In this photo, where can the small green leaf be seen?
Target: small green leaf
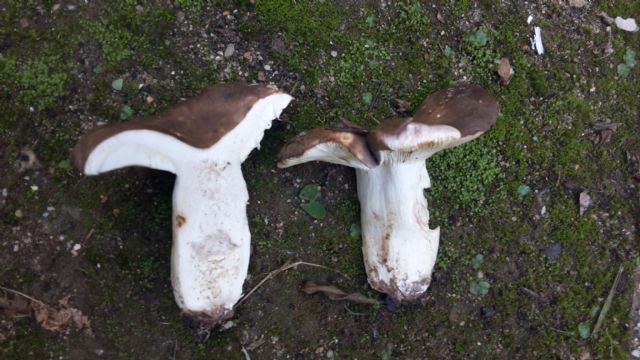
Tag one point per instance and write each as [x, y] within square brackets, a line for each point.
[315, 209]
[117, 84]
[630, 58]
[448, 52]
[584, 328]
[477, 261]
[371, 20]
[386, 355]
[479, 38]
[126, 112]
[355, 232]
[310, 192]
[523, 190]
[624, 70]
[480, 288]
[367, 97]
[64, 165]
[594, 311]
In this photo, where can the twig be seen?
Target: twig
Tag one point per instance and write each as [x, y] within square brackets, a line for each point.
[246, 353]
[89, 234]
[16, 292]
[286, 266]
[351, 312]
[607, 304]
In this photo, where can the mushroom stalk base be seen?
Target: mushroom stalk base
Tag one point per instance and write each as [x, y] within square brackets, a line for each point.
[211, 240]
[399, 247]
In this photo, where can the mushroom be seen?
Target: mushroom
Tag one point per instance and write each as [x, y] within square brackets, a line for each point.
[399, 247]
[203, 141]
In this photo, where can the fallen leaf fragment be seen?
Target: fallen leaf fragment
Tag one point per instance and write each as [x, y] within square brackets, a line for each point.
[402, 105]
[336, 294]
[505, 70]
[585, 202]
[604, 131]
[605, 18]
[626, 24]
[60, 318]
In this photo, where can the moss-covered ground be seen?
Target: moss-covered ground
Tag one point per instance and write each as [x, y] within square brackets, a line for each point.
[511, 196]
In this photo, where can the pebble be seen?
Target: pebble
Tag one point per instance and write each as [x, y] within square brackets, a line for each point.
[636, 353]
[18, 214]
[487, 311]
[267, 67]
[553, 252]
[229, 51]
[34, 188]
[5, 192]
[334, 53]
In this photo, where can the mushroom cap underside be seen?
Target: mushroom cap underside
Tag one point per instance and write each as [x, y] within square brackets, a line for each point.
[345, 147]
[446, 118]
[199, 122]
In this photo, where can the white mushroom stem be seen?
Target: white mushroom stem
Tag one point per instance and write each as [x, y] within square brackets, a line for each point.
[211, 239]
[399, 247]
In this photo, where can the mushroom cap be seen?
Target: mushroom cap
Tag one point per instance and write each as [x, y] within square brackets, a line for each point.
[199, 122]
[345, 144]
[445, 119]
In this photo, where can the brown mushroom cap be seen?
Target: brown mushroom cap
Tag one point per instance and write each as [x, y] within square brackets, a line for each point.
[200, 121]
[446, 118]
[352, 141]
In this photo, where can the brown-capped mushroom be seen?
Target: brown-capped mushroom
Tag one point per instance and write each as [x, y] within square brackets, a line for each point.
[399, 247]
[203, 141]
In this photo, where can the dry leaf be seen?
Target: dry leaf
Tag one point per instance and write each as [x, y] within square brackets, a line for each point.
[604, 131]
[605, 18]
[505, 70]
[334, 293]
[439, 17]
[59, 318]
[402, 105]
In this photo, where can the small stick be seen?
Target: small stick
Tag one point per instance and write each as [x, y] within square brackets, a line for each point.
[16, 292]
[286, 266]
[607, 304]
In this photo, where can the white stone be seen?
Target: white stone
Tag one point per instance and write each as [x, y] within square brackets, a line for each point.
[626, 24]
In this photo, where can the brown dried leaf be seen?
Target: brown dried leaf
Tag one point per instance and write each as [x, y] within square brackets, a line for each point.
[402, 106]
[505, 70]
[60, 318]
[336, 294]
[15, 307]
[604, 131]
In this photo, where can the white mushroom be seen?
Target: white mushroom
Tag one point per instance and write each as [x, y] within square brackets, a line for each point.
[399, 247]
[203, 141]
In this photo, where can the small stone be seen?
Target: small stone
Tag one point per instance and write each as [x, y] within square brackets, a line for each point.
[180, 16]
[76, 248]
[71, 7]
[228, 52]
[18, 214]
[585, 202]
[330, 354]
[578, 3]
[626, 24]
[553, 252]
[267, 67]
[334, 53]
[150, 99]
[487, 311]
[5, 192]
[34, 188]
[636, 353]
